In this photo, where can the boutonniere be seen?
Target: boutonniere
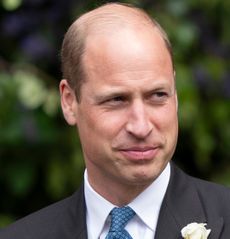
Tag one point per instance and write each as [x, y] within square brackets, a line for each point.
[195, 231]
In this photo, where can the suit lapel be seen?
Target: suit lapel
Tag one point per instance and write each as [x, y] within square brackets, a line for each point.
[216, 226]
[182, 205]
[79, 214]
[167, 226]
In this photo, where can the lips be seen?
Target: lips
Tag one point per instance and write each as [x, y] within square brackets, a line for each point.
[140, 153]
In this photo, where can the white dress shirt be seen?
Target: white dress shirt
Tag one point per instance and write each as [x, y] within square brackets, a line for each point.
[146, 206]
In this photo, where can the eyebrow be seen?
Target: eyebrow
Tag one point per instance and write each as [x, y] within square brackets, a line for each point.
[171, 90]
[107, 95]
[123, 91]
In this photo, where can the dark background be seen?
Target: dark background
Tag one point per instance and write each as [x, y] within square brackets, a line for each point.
[40, 155]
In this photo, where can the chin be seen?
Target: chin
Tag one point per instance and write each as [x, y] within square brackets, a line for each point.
[143, 178]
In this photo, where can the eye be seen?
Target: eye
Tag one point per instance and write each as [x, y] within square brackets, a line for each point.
[161, 94]
[115, 101]
[159, 97]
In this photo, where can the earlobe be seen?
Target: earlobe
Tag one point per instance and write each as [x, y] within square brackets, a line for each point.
[68, 102]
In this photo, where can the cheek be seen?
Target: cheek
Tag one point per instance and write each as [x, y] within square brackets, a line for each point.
[170, 127]
[165, 119]
[104, 125]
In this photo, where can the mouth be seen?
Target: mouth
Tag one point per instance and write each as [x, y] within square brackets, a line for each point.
[137, 154]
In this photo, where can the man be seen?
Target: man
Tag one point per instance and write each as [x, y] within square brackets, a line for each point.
[119, 91]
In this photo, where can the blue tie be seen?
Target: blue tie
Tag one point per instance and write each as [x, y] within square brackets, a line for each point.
[119, 218]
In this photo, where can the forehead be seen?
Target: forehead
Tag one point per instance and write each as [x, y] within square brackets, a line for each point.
[126, 54]
[126, 50]
[125, 64]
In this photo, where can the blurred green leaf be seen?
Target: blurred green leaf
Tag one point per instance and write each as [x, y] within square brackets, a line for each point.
[11, 5]
[5, 220]
[20, 178]
[31, 90]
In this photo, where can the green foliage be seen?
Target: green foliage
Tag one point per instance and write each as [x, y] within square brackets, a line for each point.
[40, 156]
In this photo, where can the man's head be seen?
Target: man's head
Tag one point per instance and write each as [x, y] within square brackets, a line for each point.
[127, 112]
[101, 20]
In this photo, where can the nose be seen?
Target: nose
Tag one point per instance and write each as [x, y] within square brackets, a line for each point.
[139, 124]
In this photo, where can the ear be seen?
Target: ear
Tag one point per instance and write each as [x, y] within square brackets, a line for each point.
[68, 102]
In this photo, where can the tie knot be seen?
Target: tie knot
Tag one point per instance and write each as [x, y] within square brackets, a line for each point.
[120, 217]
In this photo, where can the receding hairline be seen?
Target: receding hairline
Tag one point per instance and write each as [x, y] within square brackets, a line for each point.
[116, 15]
[106, 19]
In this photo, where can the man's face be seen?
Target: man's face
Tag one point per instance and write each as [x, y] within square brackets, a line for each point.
[127, 116]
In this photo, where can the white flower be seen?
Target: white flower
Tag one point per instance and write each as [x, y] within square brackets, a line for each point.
[195, 231]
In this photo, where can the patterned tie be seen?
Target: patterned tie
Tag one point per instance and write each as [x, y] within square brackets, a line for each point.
[120, 217]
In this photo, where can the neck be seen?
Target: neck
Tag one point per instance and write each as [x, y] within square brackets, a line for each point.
[119, 195]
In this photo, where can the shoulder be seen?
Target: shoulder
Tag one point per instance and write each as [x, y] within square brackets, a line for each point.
[53, 221]
[212, 195]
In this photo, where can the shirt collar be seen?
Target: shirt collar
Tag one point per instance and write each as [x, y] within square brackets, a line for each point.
[146, 205]
[98, 209]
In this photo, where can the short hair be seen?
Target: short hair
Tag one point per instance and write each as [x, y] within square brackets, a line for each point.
[99, 19]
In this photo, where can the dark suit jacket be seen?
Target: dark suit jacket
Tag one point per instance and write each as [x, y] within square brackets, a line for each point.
[187, 200]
